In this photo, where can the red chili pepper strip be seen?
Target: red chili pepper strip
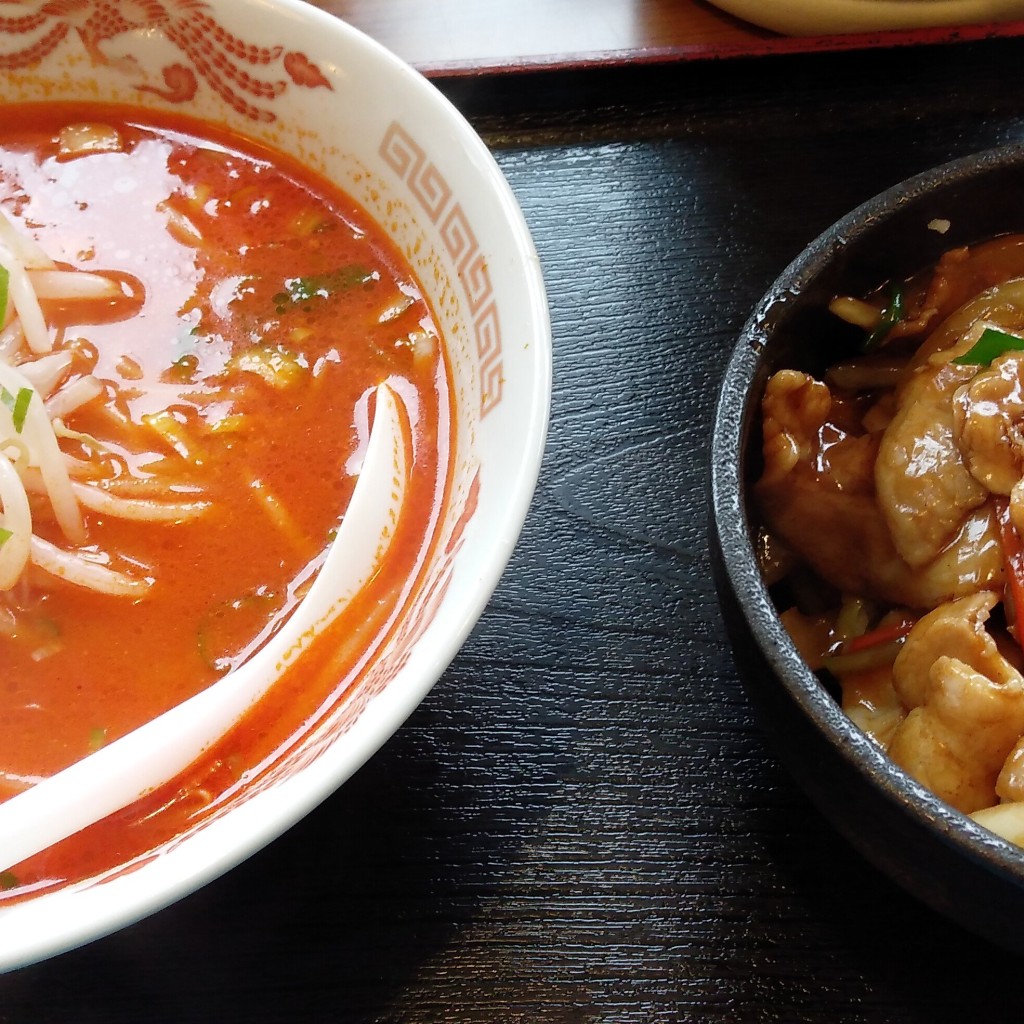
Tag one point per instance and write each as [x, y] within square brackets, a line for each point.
[881, 635]
[1013, 560]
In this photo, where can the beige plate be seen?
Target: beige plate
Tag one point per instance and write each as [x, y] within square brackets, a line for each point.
[821, 17]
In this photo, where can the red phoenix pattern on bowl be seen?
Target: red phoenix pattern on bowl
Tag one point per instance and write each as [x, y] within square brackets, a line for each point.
[212, 53]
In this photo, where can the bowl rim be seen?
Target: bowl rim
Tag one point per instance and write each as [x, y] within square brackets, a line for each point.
[734, 413]
[249, 827]
[822, 17]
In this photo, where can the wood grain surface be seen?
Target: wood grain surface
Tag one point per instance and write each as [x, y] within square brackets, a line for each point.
[581, 823]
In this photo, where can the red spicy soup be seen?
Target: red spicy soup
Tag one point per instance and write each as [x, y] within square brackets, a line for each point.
[209, 410]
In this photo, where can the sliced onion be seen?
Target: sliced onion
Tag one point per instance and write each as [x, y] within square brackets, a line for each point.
[81, 139]
[182, 229]
[866, 374]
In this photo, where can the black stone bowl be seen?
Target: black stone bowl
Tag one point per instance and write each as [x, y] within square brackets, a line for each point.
[927, 847]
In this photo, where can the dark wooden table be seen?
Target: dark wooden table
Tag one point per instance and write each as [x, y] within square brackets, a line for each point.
[581, 823]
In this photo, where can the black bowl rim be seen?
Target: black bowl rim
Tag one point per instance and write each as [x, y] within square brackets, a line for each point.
[731, 425]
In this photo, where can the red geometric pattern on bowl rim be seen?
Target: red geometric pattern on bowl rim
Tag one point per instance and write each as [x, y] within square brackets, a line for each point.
[408, 159]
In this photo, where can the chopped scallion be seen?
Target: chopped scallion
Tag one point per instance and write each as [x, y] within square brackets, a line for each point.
[990, 345]
[5, 536]
[302, 290]
[891, 315]
[18, 404]
[21, 408]
[4, 277]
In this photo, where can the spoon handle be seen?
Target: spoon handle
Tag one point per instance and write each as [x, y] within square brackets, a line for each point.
[140, 761]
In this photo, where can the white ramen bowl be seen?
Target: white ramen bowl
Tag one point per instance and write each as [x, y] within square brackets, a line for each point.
[352, 111]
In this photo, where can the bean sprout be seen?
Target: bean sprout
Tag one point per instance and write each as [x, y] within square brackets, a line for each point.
[28, 251]
[46, 372]
[72, 284]
[37, 390]
[138, 509]
[12, 338]
[37, 433]
[84, 570]
[19, 288]
[73, 396]
[17, 525]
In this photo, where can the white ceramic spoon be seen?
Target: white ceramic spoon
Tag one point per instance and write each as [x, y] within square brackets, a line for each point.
[135, 764]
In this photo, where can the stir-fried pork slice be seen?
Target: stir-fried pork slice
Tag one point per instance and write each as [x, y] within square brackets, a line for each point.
[988, 423]
[925, 489]
[966, 704]
[817, 495]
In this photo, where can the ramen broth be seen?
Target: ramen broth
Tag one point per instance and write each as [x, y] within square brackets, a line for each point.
[256, 311]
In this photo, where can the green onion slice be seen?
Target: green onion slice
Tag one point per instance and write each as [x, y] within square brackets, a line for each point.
[20, 410]
[4, 277]
[891, 315]
[18, 404]
[300, 291]
[990, 345]
[5, 536]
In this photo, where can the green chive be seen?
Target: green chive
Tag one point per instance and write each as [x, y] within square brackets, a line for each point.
[18, 404]
[302, 290]
[891, 315]
[991, 344]
[5, 536]
[20, 410]
[4, 276]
